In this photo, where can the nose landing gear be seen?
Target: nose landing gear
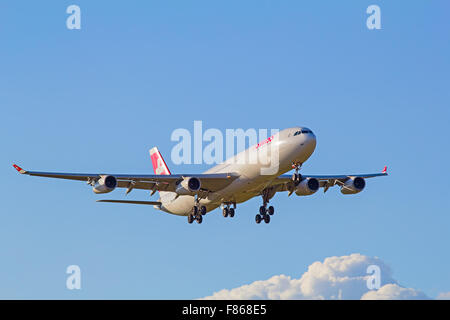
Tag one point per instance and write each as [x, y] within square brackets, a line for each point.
[296, 177]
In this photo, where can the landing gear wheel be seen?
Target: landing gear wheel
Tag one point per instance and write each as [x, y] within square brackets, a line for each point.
[262, 210]
[271, 210]
[199, 219]
[194, 210]
[190, 218]
[225, 212]
[231, 212]
[296, 178]
[202, 210]
[266, 218]
[258, 219]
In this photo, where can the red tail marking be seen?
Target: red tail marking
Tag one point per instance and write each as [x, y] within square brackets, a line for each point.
[159, 165]
[18, 168]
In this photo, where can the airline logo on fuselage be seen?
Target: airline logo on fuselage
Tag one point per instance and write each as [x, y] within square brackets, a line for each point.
[264, 142]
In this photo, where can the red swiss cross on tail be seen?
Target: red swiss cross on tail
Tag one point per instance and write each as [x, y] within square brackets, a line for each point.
[159, 165]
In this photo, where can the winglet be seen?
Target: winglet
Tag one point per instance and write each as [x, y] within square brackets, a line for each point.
[384, 170]
[21, 171]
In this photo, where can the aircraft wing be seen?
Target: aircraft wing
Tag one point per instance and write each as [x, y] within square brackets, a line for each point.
[209, 182]
[285, 183]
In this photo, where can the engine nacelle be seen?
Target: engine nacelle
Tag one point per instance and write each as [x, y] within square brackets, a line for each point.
[307, 187]
[188, 186]
[353, 185]
[105, 184]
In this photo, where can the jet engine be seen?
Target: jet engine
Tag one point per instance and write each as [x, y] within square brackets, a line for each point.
[307, 187]
[188, 186]
[353, 185]
[105, 184]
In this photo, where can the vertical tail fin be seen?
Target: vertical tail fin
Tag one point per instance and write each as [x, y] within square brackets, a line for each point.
[159, 165]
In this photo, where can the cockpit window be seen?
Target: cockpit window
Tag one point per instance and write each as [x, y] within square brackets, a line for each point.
[302, 131]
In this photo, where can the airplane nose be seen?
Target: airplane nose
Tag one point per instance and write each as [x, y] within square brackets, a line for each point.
[310, 143]
[307, 140]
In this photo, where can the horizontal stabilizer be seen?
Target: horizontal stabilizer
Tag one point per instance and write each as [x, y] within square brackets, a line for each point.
[151, 203]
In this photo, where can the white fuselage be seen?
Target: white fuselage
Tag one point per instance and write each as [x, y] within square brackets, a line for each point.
[274, 157]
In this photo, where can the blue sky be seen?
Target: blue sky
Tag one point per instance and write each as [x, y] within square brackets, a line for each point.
[98, 98]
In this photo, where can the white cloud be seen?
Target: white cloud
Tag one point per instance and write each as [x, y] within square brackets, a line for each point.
[394, 292]
[443, 296]
[342, 277]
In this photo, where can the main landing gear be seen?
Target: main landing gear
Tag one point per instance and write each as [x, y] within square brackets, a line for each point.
[197, 213]
[264, 212]
[227, 211]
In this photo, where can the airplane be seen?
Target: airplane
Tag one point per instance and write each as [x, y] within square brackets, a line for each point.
[226, 184]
